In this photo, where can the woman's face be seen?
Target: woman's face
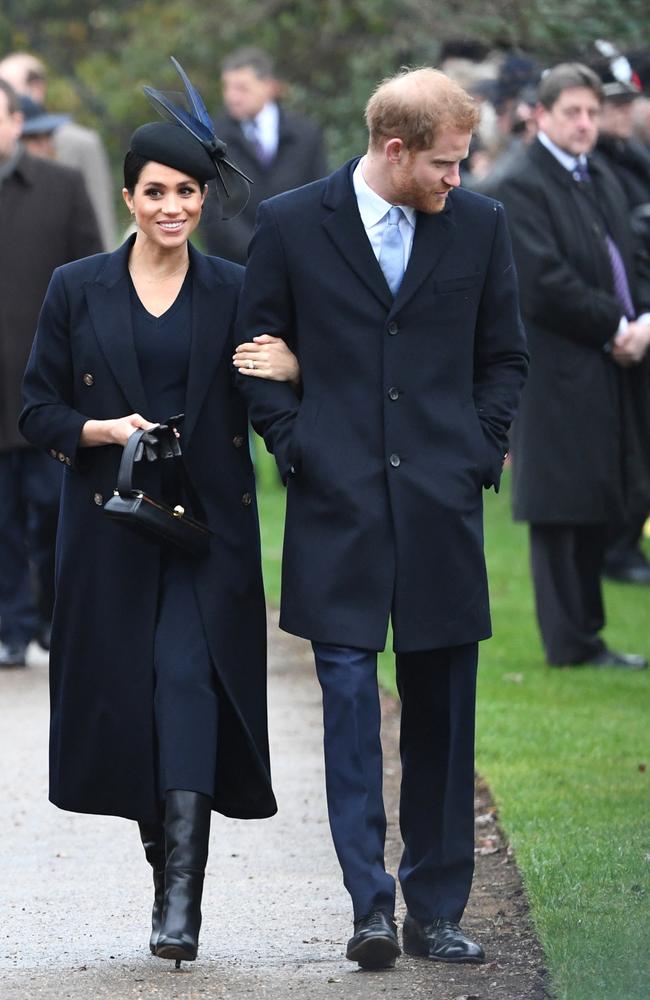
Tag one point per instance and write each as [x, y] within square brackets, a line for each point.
[166, 204]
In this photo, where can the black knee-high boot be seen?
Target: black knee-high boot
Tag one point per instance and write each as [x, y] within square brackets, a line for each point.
[187, 831]
[153, 841]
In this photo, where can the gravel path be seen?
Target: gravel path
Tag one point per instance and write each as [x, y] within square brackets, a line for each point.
[76, 891]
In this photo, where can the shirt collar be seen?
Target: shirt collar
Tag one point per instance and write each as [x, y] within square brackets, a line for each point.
[372, 207]
[268, 117]
[565, 159]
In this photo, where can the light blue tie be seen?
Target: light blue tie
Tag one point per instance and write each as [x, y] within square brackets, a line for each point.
[391, 254]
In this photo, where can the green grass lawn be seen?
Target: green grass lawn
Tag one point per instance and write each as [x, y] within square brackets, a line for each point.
[567, 756]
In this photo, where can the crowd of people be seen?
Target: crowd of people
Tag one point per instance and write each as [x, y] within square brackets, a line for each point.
[374, 338]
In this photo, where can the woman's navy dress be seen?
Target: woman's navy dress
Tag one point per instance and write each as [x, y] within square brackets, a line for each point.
[185, 698]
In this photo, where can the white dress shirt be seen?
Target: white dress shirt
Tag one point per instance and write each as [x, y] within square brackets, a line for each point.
[267, 128]
[374, 210]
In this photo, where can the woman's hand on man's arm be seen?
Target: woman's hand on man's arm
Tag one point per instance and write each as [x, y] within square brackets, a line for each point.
[269, 358]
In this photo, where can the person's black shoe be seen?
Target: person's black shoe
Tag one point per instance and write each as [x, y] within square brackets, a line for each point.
[153, 841]
[620, 661]
[440, 940]
[374, 944]
[633, 569]
[13, 654]
[43, 636]
[187, 832]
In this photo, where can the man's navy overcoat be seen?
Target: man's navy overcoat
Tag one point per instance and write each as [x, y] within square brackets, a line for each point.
[83, 365]
[404, 415]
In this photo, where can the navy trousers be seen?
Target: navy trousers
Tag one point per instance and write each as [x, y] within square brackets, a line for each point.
[186, 703]
[30, 487]
[438, 694]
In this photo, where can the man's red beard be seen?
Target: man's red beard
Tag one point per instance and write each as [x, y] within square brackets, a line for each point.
[407, 191]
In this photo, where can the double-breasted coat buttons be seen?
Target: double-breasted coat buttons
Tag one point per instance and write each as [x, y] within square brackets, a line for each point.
[393, 393]
[99, 499]
[395, 460]
[88, 379]
[238, 440]
[247, 499]
[392, 328]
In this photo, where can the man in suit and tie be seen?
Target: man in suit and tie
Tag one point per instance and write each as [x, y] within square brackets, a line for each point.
[397, 291]
[276, 150]
[580, 444]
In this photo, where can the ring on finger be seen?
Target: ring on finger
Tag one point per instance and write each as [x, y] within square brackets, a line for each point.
[250, 364]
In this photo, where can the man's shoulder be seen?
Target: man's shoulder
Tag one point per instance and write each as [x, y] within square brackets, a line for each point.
[467, 202]
[303, 127]
[40, 170]
[298, 199]
[533, 168]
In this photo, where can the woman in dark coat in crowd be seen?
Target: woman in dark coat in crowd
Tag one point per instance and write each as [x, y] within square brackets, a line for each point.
[158, 661]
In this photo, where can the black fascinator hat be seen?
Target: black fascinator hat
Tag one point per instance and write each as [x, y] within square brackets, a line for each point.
[187, 141]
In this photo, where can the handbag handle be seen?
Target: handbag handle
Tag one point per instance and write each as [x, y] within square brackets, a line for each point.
[125, 474]
[130, 456]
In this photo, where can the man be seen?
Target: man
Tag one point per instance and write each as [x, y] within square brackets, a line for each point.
[398, 294]
[74, 145]
[47, 221]
[276, 150]
[581, 410]
[629, 161]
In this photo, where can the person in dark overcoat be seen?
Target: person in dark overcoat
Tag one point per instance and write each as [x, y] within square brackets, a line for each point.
[276, 149]
[408, 390]
[580, 441]
[48, 221]
[158, 661]
[629, 161]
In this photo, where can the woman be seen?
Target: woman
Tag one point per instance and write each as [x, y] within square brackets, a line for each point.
[158, 662]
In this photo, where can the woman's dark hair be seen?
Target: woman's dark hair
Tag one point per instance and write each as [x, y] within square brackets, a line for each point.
[134, 164]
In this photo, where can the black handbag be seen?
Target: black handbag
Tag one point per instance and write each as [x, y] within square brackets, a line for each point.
[133, 507]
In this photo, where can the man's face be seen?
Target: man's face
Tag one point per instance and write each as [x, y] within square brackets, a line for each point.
[10, 128]
[572, 122]
[423, 179]
[617, 118]
[245, 93]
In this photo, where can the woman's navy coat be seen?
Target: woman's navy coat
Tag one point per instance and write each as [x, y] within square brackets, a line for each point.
[83, 365]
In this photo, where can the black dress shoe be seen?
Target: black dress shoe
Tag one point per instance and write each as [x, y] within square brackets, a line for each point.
[633, 572]
[621, 661]
[12, 654]
[440, 940]
[374, 944]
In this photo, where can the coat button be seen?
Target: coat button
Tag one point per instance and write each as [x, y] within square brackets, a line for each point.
[67, 461]
[52, 453]
[88, 379]
[247, 499]
[392, 328]
[238, 440]
[61, 456]
[394, 460]
[99, 499]
[393, 393]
